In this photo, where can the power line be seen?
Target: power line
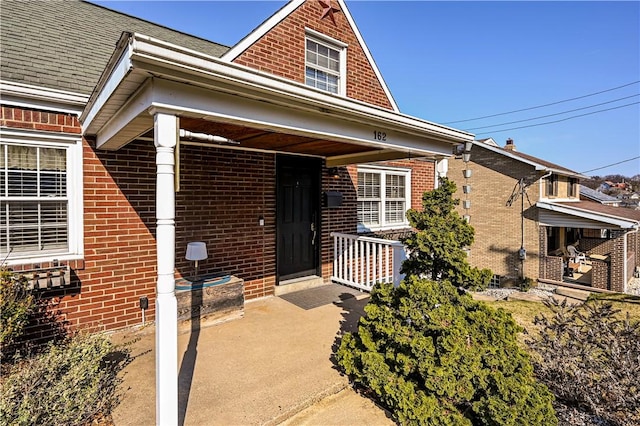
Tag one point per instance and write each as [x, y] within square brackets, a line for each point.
[552, 115]
[558, 121]
[545, 105]
[609, 165]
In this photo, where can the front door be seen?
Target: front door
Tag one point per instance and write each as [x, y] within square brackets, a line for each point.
[297, 211]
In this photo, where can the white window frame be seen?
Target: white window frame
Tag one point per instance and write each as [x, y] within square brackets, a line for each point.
[383, 172]
[72, 143]
[330, 43]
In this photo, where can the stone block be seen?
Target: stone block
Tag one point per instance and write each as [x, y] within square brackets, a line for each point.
[210, 300]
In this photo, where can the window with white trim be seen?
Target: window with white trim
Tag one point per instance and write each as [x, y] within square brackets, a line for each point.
[384, 196]
[37, 201]
[323, 65]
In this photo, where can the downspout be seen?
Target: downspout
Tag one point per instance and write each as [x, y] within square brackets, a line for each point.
[625, 259]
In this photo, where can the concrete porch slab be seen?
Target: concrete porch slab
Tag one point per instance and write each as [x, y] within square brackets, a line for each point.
[264, 368]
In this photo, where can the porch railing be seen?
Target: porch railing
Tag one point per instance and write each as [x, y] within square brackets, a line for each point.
[362, 262]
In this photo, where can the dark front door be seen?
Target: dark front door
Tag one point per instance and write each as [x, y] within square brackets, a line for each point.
[297, 213]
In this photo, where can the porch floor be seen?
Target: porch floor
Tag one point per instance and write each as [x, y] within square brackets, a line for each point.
[273, 365]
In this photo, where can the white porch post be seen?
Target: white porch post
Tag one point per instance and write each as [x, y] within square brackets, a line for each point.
[165, 138]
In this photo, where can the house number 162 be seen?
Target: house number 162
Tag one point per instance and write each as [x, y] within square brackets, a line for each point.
[379, 136]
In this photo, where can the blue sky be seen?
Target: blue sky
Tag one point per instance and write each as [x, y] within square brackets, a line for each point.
[451, 61]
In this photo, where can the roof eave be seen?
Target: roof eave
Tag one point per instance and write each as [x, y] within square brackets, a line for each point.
[138, 54]
[621, 222]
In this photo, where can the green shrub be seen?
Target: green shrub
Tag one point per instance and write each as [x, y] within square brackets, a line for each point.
[436, 249]
[526, 284]
[437, 357]
[71, 383]
[589, 357]
[16, 306]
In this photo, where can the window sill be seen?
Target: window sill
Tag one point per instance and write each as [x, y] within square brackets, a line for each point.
[28, 260]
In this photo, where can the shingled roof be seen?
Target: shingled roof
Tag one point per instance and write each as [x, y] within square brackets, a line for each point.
[65, 45]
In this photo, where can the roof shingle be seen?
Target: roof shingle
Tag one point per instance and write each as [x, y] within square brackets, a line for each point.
[65, 45]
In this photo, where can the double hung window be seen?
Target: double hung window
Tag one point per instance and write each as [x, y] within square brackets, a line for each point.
[324, 65]
[383, 198]
[37, 204]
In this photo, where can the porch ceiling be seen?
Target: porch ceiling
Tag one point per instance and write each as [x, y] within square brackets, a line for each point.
[587, 214]
[258, 110]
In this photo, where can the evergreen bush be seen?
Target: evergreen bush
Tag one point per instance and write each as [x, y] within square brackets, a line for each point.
[435, 356]
[436, 249]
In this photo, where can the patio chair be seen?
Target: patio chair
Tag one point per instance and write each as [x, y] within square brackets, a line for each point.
[576, 256]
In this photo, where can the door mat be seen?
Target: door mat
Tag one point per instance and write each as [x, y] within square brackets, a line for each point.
[319, 296]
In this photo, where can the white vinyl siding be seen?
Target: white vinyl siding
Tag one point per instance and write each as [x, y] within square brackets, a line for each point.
[383, 198]
[37, 201]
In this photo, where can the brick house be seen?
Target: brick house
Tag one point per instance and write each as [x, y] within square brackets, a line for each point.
[122, 141]
[514, 200]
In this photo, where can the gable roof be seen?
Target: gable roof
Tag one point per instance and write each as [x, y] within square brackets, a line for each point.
[65, 45]
[287, 10]
[536, 162]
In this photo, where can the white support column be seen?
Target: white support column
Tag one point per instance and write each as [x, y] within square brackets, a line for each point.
[166, 130]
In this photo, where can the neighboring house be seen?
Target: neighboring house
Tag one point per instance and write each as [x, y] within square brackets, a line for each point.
[597, 196]
[549, 218]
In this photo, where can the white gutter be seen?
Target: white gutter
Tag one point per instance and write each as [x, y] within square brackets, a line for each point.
[620, 222]
[144, 52]
[28, 96]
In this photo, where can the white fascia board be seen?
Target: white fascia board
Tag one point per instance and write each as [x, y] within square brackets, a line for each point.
[367, 53]
[150, 50]
[285, 11]
[591, 215]
[43, 98]
[214, 105]
[146, 55]
[117, 69]
[261, 30]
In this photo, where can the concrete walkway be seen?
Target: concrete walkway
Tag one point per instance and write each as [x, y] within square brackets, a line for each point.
[273, 366]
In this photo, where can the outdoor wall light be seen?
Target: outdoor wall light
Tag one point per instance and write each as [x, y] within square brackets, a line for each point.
[196, 251]
[334, 173]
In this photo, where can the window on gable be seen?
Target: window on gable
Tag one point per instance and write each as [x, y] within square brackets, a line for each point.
[383, 198]
[573, 187]
[551, 186]
[323, 65]
[35, 200]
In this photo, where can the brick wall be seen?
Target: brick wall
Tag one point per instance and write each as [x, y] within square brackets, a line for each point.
[617, 260]
[282, 52]
[24, 118]
[600, 273]
[498, 226]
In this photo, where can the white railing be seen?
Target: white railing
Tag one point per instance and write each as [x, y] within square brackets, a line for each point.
[362, 262]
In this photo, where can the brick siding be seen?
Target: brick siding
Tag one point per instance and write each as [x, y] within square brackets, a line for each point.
[223, 193]
[282, 52]
[498, 226]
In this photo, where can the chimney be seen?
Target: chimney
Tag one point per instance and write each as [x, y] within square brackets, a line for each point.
[510, 145]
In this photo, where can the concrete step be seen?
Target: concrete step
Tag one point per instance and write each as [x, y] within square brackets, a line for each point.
[297, 284]
[573, 293]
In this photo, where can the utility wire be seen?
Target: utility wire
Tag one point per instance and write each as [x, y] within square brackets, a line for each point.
[609, 165]
[552, 115]
[558, 121]
[545, 105]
